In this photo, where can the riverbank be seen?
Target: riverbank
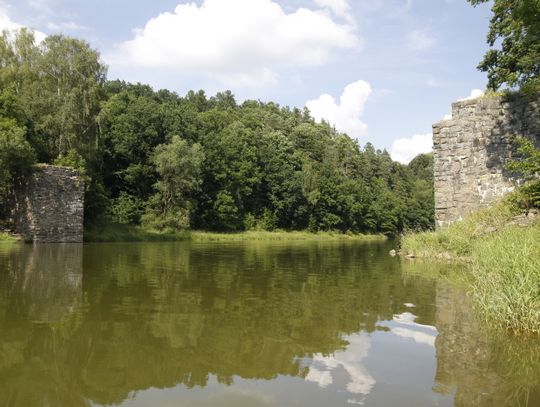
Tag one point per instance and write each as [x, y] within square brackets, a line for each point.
[502, 256]
[200, 236]
[121, 233]
[125, 233]
[6, 238]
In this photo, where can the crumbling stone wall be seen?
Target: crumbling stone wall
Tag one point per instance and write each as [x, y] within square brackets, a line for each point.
[471, 150]
[50, 207]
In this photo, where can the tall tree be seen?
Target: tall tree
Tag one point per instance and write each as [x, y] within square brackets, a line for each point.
[516, 24]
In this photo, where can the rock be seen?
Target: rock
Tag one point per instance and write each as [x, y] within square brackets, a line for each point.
[410, 256]
[393, 253]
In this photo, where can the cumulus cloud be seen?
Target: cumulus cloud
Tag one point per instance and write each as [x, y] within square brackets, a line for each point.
[404, 150]
[6, 23]
[420, 40]
[345, 115]
[243, 42]
[475, 93]
[361, 382]
[340, 8]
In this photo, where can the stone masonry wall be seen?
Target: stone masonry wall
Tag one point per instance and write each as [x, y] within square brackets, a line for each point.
[471, 150]
[50, 208]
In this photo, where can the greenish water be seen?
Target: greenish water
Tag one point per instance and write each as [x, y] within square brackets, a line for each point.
[246, 324]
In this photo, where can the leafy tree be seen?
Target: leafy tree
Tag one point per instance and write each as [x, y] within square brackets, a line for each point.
[16, 159]
[228, 167]
[179, 167]
[516, 24]
[420, 211]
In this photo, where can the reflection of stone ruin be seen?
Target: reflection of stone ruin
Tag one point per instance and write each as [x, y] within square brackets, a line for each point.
[475, 365]
[471, 150]
[47, 281]
[49, 209]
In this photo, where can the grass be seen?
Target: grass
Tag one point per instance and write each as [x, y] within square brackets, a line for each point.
[124, 233]
[6, 238]
[457, 241]
[503, 262]
[506, 271]
[199, 236]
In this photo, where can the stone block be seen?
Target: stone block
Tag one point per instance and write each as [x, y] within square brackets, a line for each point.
[50, 207]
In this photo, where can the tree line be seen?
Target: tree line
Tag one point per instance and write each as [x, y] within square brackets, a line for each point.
[169, 162]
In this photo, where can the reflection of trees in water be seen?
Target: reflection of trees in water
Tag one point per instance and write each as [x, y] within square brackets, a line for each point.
[156, 315]
[482, 368]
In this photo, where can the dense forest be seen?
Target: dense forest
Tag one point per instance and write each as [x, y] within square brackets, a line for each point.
[169, 162]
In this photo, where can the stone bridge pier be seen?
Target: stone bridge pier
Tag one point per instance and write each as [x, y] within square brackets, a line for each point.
[471, 150]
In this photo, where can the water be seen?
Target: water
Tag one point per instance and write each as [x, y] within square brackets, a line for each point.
[246, 324]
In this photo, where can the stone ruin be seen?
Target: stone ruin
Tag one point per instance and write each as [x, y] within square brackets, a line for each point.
[471, 150]
[49, 208]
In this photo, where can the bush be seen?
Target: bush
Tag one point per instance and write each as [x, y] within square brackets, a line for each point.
[16, 159]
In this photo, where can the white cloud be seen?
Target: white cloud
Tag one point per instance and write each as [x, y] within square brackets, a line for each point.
[340, 8]
[361, 382]
[345, 115]
[447, 116]
[404, 150]
[240, 41]
[417, 336]
[420, 40]
[6, 23]
[475, 93]
[67, 25]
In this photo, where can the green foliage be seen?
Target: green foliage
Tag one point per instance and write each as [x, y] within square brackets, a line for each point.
[516, 25]
[56, 84]
[6, 238]
[74, 160]
[504, 263]
[172, 162]
[506, 271]
[527, 167]
[179, 167]
[127, 233]
[126, 209]
[16, 159]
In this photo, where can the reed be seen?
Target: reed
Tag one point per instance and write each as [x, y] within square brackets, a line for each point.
[503, 262]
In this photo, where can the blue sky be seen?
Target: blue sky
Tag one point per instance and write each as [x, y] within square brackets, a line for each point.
[381, 70]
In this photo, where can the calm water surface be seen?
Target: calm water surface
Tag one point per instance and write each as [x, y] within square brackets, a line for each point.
[246, 324]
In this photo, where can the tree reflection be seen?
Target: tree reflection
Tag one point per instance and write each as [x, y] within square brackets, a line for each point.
[99, 323]
[157, 315]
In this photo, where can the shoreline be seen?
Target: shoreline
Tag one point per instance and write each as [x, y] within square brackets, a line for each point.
[138, 234]
[501, 259]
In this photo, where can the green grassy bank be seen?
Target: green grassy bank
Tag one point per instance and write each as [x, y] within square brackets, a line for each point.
[199, 236]
[121, 233]
[125, 233]
[6, 238]
[503, 260]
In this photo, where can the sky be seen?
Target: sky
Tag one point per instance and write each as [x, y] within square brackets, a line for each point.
[382, 71]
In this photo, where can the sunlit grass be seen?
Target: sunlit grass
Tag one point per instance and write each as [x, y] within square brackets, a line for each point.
[6, 238]
[503, 262]
[506, 271]
[200, 236]
[124, 233]
[457, 240]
